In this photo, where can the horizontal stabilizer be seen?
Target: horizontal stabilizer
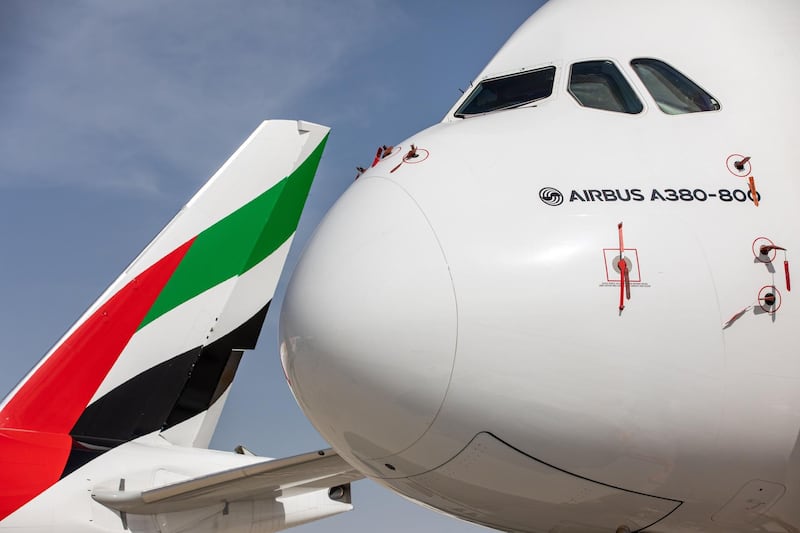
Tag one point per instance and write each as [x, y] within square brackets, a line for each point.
[269, 479]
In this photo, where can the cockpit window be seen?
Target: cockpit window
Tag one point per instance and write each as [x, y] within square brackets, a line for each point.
[600, 85]
[507, 92]
[674, 93]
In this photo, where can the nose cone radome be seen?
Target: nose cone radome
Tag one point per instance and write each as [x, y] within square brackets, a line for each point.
[368, 326]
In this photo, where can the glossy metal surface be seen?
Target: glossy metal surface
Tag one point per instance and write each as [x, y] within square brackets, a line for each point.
[669, 398]
[385, 267]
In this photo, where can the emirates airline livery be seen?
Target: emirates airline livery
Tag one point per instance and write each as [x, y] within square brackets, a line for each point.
[109, 431]
[568, 307]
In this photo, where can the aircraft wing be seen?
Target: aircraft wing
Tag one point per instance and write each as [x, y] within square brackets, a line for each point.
[267, 479]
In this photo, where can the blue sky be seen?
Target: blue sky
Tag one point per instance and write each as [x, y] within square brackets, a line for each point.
[114, 114]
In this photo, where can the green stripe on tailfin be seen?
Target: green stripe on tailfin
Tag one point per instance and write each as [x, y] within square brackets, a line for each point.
[241, 240]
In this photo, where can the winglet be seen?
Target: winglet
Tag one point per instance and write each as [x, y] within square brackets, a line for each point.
[159, 348]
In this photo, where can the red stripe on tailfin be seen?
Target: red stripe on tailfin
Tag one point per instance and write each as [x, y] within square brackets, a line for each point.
[54, 396]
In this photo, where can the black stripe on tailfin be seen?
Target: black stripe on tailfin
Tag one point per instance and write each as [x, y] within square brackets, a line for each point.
[164, 395]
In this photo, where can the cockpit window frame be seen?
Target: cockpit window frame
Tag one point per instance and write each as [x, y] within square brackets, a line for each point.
[687, 89]
[630, 100]
[486, 82]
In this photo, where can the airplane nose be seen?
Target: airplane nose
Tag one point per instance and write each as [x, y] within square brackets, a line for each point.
[368, 324]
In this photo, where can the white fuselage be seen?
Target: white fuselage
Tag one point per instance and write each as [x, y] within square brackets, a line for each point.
[460, 340]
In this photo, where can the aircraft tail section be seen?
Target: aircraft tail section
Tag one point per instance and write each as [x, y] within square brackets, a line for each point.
[158, 350]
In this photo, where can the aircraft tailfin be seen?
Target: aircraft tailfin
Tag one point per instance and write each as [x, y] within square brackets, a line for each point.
[158, 350]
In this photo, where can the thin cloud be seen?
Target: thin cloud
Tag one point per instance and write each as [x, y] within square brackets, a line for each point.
[114, 95]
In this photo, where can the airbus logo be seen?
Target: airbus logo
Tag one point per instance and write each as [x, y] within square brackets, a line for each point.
[551, 196]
